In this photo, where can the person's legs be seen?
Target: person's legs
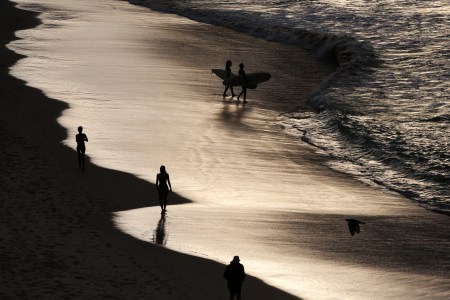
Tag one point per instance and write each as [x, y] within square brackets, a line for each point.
[162, 194]
[235, 289]
[82, 157]
[240, 95]
[231, 295]
[165, 200]
[80, 153]
[161, 198]
[231, 89]
[225, 92]
[79, 157]
[238, 291]
[243, 92]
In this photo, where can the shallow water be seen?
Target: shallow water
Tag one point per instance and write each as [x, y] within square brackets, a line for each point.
[384, 116]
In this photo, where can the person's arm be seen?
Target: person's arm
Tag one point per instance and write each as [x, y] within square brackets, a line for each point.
[168, 181]
[157, 181]
[85, 138]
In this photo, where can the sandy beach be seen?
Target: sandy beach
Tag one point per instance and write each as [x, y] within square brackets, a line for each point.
[142, 88]
[57, 236]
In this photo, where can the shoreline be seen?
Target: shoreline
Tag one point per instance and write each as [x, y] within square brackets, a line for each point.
[354, 54]
[84, 202]
[58, 239]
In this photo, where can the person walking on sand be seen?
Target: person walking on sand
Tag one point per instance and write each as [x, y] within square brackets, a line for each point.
[235, 275]
[163, 186]
[244, 87]
[81, 147]
[228, 69]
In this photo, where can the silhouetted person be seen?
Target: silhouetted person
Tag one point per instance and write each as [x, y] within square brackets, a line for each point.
[353, 226]
[228, 69]
[81, 147]
[244, 86]
[163, 186]
[235, 275]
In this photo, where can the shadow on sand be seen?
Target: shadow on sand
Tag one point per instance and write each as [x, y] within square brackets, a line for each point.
[58, 237]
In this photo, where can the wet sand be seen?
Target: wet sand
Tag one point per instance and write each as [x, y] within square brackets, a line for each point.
[57, 238]
[142, 88]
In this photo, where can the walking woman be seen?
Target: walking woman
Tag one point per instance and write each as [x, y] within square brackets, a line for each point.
[163, 186]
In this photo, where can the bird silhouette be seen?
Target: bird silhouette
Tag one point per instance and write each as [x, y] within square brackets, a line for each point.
[353, 226]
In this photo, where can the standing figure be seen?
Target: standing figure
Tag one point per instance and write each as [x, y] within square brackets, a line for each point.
[163, 186]
[244, 87]
[235, 275]
[81, 147]
[228, 69]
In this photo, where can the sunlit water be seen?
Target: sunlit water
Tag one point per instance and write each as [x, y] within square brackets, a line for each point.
[384, 116]
[250, 195]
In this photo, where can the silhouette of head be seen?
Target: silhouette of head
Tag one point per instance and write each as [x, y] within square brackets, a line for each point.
[228, 64]
[241, 65]
[236, 259]
[162, 169]
[80, 129]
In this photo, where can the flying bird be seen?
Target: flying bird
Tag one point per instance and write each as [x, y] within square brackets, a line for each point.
[353, 225]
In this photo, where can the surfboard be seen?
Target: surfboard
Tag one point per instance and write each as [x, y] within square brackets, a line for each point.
[222, 74]
[251, 80]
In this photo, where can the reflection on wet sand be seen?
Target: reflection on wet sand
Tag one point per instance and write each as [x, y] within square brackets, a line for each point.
[159, 235]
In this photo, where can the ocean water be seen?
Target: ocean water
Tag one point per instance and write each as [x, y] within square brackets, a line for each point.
[384, 115]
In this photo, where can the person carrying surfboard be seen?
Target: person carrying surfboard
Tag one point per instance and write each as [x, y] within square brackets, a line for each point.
[244, 87]
[228, 65]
